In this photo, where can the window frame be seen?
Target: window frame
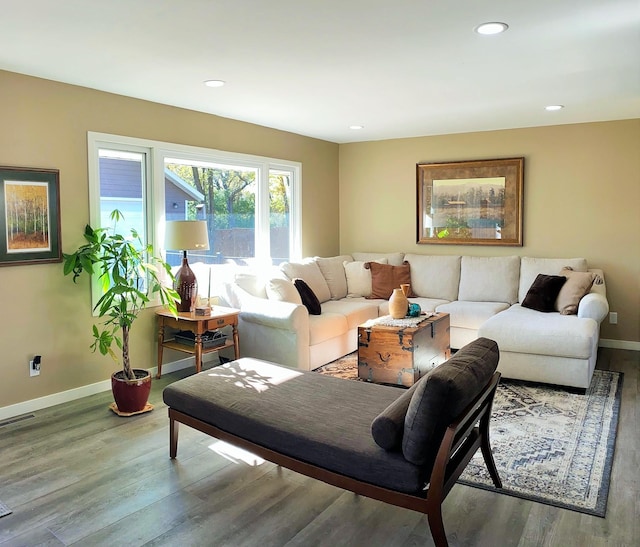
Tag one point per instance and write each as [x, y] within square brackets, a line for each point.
[153, 190]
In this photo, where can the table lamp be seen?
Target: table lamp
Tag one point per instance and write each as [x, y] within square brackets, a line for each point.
[186, 235]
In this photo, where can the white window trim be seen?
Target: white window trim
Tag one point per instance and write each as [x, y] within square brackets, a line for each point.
[157, 151]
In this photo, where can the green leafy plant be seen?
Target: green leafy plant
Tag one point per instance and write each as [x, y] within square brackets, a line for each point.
[128, 274]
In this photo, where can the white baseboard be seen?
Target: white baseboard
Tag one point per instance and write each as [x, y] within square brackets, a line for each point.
[619, 344]
[26, 407]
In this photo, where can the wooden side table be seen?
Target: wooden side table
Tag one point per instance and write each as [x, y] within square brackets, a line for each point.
[198, 325]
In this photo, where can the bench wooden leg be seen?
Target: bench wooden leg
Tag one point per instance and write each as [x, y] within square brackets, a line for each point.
[485, 446]
[437, 526]
[173, 438]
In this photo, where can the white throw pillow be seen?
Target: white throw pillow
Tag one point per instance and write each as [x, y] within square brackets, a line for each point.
[489, 279]
[333, 271]
[309, 271]
[359, 278]
[251, 283]
[283, 290]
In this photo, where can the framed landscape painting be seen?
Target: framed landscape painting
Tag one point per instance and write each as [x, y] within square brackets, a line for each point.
[470, 202]
[29, 216]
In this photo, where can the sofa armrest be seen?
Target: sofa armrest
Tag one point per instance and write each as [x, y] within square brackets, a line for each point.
[271, 330]
[274, 314]
[594, 305]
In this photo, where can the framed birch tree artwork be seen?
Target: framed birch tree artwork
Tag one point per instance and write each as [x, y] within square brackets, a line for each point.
[29, 216]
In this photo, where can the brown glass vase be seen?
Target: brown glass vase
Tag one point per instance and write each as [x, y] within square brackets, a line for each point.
[186, 285]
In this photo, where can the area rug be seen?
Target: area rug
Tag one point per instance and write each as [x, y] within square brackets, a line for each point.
[550, 445]
[4, 510]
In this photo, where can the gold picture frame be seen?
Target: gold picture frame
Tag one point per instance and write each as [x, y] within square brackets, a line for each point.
[476, 202]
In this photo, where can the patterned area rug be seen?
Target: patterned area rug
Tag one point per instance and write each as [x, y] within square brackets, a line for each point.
[4, 510]
[550, 445]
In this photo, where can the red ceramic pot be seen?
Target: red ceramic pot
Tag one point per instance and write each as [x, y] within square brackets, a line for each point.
[131, 395]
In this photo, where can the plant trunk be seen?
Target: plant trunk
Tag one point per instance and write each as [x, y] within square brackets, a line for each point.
[126, 364]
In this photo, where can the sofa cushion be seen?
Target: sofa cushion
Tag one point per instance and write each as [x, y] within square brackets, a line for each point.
[442, 395]
[283, 290]
[489, 279]
[387, 427]
[310, 272]
[578, 284]
[543, 293]
[434, 276]
[355, 311]
[333, 271]
[522, 330]
[395, 259]
[309, 299]
[326, 326]
[531, 267]
[470, 315]
[385, 278]
[359, 278]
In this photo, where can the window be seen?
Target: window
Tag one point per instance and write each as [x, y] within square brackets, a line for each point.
[251, 203]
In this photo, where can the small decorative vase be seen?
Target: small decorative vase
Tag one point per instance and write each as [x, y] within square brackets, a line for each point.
[398, 304]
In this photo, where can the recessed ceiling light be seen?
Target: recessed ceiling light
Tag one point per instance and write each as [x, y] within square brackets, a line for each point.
[356, 127]
[491, 28]
[553, 107]
[214, 83]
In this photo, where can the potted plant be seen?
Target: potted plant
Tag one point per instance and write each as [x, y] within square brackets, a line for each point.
[128, 273]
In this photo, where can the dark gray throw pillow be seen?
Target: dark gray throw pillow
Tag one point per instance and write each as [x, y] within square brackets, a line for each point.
[543, 292]
[442, 395]
[388, 426]
[309, 298]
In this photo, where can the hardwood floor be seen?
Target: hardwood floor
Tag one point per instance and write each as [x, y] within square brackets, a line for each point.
[77, 474]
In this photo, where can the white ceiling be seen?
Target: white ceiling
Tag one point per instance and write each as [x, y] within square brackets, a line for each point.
[400, 68]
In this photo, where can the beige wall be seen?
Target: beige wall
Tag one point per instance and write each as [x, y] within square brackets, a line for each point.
[582, 190]
[45, 124]
[581, 199]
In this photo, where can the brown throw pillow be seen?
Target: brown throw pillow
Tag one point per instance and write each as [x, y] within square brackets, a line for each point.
[543, 292]
[309, 299]
[385, 278]
[578, 284]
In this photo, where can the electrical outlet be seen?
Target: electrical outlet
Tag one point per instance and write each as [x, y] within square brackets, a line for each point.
[34, 366]
[613, 318]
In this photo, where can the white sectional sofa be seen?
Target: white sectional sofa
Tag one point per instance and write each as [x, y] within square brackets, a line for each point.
[483, 296]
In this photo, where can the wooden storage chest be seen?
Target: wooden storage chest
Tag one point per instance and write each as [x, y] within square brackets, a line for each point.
[401, 355]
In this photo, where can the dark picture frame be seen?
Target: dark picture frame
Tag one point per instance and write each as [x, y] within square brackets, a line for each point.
[477, 202]
[29, 216]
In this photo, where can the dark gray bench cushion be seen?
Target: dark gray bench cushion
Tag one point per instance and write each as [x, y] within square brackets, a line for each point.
[315, 418]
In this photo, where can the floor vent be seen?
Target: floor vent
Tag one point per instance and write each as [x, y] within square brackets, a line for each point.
[17, 419]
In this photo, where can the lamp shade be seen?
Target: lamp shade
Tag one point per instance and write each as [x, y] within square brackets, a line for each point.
[186, 235]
